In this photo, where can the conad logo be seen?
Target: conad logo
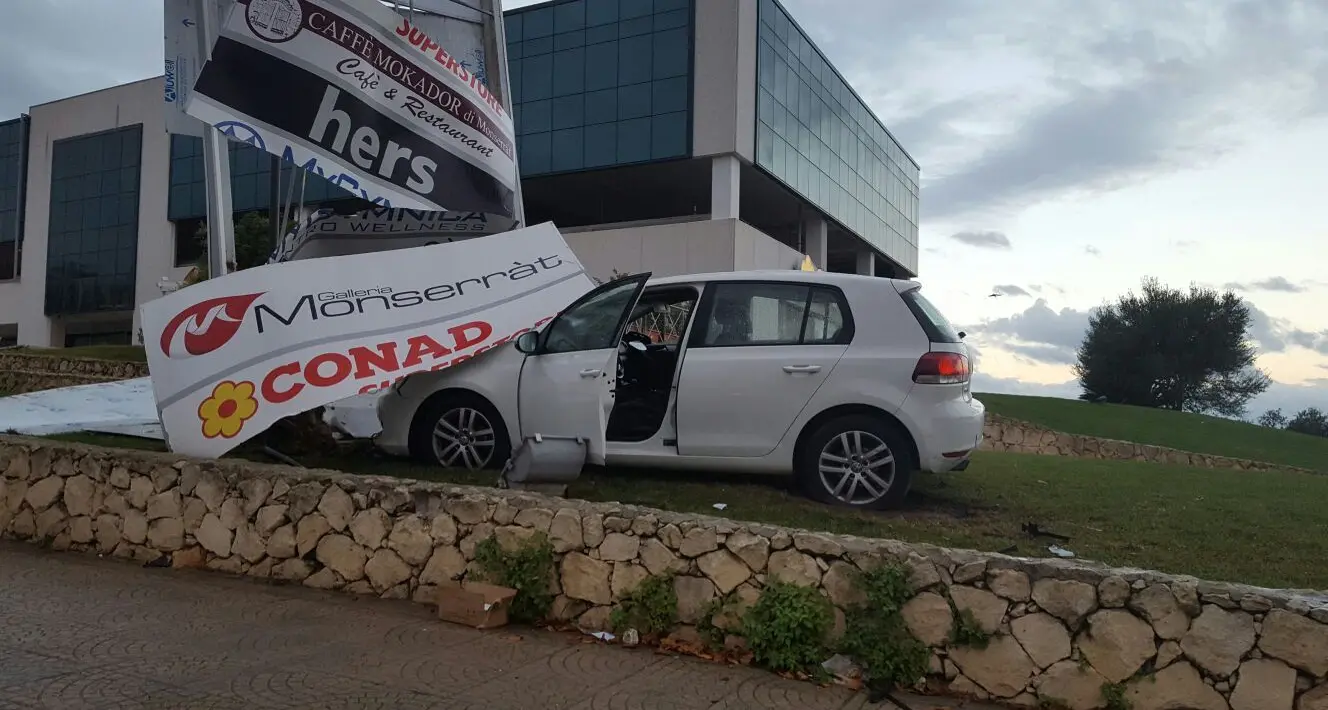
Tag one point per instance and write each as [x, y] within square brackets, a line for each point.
[204, 327]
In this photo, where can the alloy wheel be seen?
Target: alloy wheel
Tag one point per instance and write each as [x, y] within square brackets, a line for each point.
[856, 467]
[464, 438]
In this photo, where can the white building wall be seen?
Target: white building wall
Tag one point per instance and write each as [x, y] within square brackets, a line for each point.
[678, 247]
[117, 107]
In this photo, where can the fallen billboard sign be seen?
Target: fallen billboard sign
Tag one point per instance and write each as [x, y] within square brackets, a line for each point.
[354, 87]
[231, 356]
[328, 233]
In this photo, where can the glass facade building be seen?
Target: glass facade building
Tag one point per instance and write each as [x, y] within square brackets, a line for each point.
[13, 160]
[600, 83]
[817, 136]
[92, 247]
[251, 185]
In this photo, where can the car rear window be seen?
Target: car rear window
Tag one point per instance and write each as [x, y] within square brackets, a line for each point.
[938, 329]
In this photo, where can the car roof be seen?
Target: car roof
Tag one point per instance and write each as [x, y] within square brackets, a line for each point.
[822, 277]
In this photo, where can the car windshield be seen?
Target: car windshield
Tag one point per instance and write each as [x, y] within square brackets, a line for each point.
[930, 318]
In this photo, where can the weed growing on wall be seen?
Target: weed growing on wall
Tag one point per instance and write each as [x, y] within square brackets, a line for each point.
[786, 628]
[651, 608]
[967, 631]
[710, 632]
[1113, 697]
[876, 636]
[526, 569]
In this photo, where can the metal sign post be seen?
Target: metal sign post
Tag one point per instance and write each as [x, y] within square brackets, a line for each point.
[495, 35]
[216, 162]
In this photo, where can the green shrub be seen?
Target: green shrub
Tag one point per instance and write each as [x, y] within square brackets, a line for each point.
[876, 636]
[527, 570]
[787, 627]
[651, 608]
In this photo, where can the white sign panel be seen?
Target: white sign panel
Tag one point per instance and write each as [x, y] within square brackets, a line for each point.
[182, 26]
[326, 233]
[353, 86]
[231, 356]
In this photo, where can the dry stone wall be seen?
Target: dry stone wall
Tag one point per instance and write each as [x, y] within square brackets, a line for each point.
[1006, 434]
[1060, 630]
[21, 373]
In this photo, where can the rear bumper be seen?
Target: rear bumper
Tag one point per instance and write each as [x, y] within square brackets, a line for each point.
[952, 433]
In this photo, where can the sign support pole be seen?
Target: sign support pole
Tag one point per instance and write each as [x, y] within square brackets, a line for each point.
[495, 35]
[216, 163]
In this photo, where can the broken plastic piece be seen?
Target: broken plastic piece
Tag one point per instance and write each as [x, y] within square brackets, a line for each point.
[721, 506]
[1059, 551]
[602, 635]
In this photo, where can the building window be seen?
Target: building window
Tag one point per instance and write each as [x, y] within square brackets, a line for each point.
[251, 186]
[13, 160]
[93, 235]
[82, 340]
[188, 247]
[613, 87]
[816, 135]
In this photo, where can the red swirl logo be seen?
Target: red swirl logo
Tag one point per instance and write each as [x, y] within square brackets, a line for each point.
[204, 327]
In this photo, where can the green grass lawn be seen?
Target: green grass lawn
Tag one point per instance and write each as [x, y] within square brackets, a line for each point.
[119, 353]
[1161, 427]
[1264, 528]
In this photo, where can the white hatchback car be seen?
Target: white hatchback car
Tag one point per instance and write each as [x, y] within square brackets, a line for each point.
[849, 383]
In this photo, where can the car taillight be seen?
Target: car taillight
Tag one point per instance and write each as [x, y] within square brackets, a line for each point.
[941, 369]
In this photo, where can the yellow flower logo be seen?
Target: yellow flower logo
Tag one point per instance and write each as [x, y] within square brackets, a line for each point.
[230, 406]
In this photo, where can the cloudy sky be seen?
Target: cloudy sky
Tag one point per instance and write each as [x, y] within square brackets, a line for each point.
[1068, 149]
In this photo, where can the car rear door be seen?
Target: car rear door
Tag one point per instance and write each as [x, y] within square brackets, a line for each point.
[566, 385]
[757, 353]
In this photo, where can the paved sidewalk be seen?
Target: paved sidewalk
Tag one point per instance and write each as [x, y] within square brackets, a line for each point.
[80, 632]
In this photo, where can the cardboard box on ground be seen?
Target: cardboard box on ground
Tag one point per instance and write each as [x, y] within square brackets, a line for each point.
[475, 604]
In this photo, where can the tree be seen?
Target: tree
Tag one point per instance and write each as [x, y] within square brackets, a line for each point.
[1273, 419]
[253, 244]
[1170, 349]
[1310, 420]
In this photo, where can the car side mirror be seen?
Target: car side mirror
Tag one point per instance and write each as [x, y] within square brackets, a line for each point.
[527, 342]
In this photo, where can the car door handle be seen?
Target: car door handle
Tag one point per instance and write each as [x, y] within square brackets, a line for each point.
[795, 369]
[591, 372]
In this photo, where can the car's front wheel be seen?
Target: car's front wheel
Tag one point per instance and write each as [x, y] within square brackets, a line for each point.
[460, 430]
[857, 461]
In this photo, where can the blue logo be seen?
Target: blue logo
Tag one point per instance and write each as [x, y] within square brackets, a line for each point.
[243, 133]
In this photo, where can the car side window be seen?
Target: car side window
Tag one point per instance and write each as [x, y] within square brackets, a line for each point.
[825, 319]
[591, 324]
[756, 314]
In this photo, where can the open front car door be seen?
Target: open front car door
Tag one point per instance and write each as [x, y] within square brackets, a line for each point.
[568, 377]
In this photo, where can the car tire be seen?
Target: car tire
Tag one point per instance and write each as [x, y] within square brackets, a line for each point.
[462, 428]
[854, 470]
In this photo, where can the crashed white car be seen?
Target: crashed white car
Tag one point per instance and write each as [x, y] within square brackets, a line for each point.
[848, 383]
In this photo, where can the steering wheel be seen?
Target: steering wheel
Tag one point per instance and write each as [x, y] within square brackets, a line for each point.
[632, 336]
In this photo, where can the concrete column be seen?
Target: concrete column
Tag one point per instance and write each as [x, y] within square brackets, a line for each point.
[815, 234]
[866, 263]
[725, 184]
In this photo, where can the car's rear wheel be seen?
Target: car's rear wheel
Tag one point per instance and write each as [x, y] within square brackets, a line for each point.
[460, 430]
[858, 461]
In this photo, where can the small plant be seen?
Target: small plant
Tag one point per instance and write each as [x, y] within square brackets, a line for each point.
[711, 633]
[651, 608]
[876, 635]
[527, 570]
[968, 632]
[786, 628]
[1113, 695]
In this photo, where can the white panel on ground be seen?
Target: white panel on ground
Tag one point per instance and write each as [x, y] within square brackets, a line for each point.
[81, 408]
[128, 408]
